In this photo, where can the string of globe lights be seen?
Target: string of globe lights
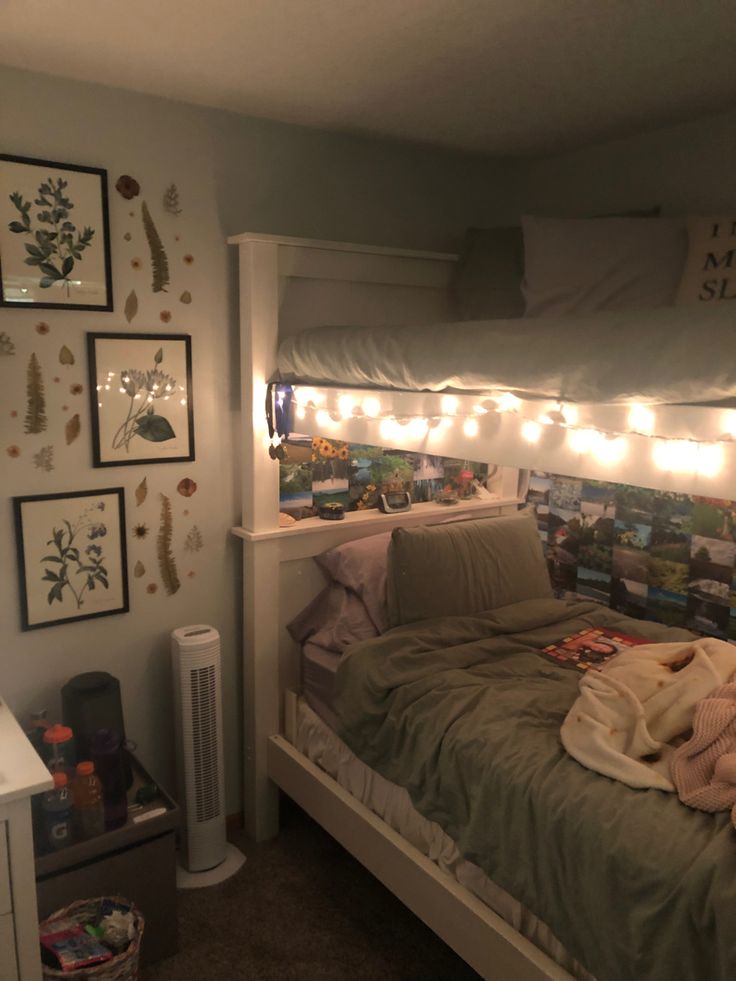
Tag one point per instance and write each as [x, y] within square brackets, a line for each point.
[677, 455]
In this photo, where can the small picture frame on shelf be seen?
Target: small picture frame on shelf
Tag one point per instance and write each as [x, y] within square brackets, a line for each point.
[72, 560]
[54, 235]
[141, 398]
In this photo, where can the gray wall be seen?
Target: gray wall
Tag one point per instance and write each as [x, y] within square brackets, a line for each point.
[233, 175]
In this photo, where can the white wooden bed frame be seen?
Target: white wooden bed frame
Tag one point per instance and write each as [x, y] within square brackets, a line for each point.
[286, 284]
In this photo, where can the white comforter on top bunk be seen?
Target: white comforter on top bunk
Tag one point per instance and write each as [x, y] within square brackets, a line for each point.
[668, 355]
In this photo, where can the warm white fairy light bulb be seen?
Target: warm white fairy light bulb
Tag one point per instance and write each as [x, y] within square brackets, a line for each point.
[300, 412]
[345, 405]
[676, 455]
[710, 459]
[389, 430]
[371, 406]
[531, 431]
[450, 404]
[729, 424]
[609, 449]
[322, 418]
[583, 440]
[470, 427]
[641, 419]
[508, 403]
[417, 427]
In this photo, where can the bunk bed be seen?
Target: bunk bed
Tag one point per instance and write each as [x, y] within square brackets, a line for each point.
[553, 421]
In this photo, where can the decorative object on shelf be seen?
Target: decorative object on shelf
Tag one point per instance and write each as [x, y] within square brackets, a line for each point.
[166, 561]
[159, 260]
[128, 187]
[36, 410]
[54, 235]
[7, 348]
[131, 306]
[65, 356]
[331, 511]
[171, 200]
[71, 556]
[141, 398]
[393, 502]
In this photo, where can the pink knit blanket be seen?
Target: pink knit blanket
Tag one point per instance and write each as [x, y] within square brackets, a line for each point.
[704, 768]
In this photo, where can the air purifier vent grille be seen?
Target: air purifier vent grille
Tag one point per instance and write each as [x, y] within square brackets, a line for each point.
[204, 693]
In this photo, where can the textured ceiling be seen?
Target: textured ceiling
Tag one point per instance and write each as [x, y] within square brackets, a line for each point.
[506, 77]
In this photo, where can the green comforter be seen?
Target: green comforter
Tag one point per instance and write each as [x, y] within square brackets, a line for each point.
[465, 713]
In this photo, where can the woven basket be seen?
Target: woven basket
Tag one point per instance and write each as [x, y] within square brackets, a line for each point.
[122, 967]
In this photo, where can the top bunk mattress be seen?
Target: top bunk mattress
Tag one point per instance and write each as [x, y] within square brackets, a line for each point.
[670, 355]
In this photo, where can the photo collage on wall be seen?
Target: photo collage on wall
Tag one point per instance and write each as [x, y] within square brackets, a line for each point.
[317, 471]
[653, 555]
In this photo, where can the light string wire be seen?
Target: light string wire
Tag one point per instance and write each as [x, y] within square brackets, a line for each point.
[674, 454]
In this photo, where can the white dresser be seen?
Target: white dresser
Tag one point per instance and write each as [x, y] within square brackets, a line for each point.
[21, 774]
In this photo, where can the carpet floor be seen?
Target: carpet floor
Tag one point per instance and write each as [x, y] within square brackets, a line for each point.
[302, 909]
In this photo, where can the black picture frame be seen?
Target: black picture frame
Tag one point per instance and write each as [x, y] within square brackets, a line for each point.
[16, 285]
[94, 537]
[150, 358]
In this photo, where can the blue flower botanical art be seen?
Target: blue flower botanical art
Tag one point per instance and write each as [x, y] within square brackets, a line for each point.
[76, 561]
[55, 243]
[144, 388]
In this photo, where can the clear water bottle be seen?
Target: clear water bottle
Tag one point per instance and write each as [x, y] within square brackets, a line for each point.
[89, 806]
[57, 813]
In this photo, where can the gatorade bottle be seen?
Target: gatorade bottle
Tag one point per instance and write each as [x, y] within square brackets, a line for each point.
[59, 744]
[57, 813]
[89, 807]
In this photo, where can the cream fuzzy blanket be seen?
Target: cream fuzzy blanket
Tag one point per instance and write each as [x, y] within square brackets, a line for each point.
[704, 768]
[628, 714]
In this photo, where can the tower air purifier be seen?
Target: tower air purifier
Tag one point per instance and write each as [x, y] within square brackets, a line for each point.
[205, 857]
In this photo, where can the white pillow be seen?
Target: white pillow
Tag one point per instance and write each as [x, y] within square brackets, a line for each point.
[582, 265]
[710, 269]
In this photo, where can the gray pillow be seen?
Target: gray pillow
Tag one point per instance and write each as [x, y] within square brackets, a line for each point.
[488, 278]
[360, 565]
[464, 568]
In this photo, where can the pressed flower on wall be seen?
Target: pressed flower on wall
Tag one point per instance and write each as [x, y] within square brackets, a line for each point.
[194, 541]
[72, 429]
[13, 451]
[186, 297]
[44, 459]
[7, 348]
[141, 492]
[152, 588]
[186, 487]
[131, 306]
[165, 316]
[76, 388]
[139, 570]
[188, 259]
[128, 187]
[140, 531]
[171, 200]
[65, 356]
[42, 327]
[136, 263]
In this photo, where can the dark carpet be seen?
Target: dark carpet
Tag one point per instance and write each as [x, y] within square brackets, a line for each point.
[302, 909]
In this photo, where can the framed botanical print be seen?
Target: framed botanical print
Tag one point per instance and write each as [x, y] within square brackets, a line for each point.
[71, 556]
[141, 398]
[54, 235]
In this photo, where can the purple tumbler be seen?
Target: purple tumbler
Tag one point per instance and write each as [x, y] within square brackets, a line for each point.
[107, 754]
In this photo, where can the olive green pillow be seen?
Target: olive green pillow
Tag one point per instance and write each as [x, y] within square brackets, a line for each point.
[464, 568]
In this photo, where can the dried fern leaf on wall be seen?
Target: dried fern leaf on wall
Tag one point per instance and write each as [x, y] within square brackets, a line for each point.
[166, 563]
[35, 421]
[159, 261]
